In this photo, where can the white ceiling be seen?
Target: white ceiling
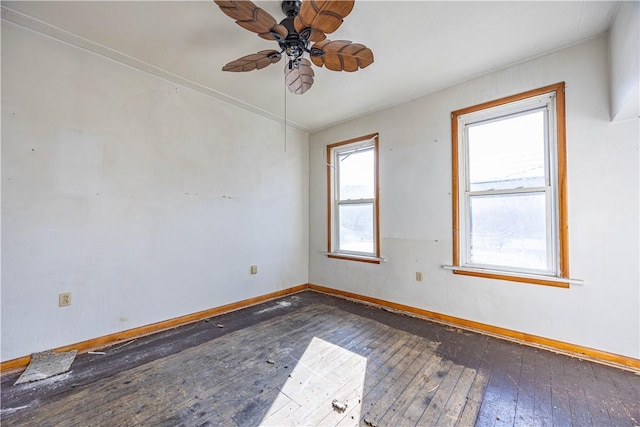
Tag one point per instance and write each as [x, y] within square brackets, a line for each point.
[419, 47]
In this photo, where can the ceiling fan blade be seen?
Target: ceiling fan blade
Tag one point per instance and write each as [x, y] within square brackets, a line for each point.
[342, 55]
[255, 61]
[299, 79]
[322, 16]
[250, 17]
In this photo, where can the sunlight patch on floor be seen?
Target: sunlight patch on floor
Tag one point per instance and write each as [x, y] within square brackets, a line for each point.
[325, 378]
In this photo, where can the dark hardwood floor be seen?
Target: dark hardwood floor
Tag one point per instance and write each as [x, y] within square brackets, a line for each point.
[313, 359]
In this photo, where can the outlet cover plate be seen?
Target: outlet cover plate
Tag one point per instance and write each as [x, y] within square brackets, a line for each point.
[64, 299]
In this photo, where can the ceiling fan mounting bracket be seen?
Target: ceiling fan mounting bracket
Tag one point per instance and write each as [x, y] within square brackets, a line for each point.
[291, 7]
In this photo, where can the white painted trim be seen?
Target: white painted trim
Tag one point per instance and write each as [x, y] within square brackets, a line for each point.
[514, 274]
[347, 150]
[546, 104]
[353, 255]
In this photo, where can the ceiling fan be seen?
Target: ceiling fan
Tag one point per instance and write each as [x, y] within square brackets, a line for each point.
[306, 21]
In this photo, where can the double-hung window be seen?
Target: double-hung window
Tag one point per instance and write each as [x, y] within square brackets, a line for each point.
[352, 176]
[510, 219]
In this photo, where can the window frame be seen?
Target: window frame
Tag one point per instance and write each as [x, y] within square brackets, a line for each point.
[366, 142]
[555, 173]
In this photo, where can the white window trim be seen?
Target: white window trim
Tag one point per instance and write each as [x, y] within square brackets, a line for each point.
[546, 103]
[368, 142]
[559, 280]
[550, 98]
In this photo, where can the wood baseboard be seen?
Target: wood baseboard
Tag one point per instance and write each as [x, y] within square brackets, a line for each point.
[130, 334]
[574, 350]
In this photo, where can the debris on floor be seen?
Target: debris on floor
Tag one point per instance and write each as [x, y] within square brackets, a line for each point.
[277, 305]
[47, 364]
[96, 352]
[338, 406]
[271, 362]
[125, 344]
[7, 411]
[220, 325]
[368, 421]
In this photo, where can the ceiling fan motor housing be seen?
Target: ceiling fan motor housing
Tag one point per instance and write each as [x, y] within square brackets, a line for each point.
[295, 44]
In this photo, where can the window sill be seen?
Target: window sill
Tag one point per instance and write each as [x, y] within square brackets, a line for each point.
[535, 279]
[352, 257]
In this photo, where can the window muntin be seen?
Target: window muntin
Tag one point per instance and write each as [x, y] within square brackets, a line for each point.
[353, 205]
[509, 215]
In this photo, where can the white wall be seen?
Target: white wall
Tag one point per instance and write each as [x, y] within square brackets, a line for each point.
[415, 210]
[625, 62]
[145, 200]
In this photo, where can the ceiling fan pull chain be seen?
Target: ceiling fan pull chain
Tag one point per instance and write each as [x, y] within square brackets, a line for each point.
[284, 91]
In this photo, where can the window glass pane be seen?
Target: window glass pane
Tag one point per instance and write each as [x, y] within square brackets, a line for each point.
[509, 230]
[356, 172]
[356, 227]
[507, 153]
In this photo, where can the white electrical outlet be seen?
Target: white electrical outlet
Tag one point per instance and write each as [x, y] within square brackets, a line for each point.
[254, 269]
[64, 299]
[418, 276]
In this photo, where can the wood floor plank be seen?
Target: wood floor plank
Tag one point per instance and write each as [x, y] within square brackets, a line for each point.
[560, 407]
[140, 385]
[398, 348]
[436, 408]
[224, 368]
[599, 403]
[373, 406]
[603, 397]
[624, 385]
[322, 351]
[498, 353]
[542, 407]
[356, 345]
[392, 386]
[377, 357]
[316, 381]
[580, 415]
[511, 368]
[245, 411]
[283, 362]
[351, 396]
[527, 390]
[415, 391]
[457, 399]
[419, 405]
[470, 358]
[350, 387]
[198, 383]
[476, 392]
[578, 374]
